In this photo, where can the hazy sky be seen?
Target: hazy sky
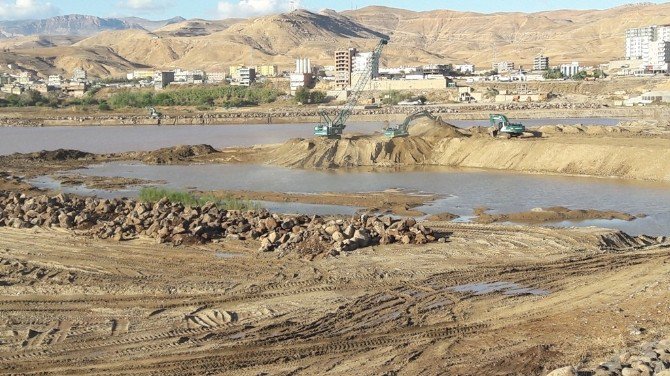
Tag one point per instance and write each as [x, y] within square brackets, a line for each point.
[214, 9]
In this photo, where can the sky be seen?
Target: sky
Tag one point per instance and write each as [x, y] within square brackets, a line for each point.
[218, 9]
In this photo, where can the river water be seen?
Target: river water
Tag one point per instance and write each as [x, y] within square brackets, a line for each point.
[115, 139]
[462, 190]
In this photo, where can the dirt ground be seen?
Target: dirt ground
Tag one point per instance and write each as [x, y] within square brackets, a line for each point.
[398, 202]
[72, 305]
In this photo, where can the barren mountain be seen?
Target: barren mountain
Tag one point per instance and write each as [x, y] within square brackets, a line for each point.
[590, 37]
[77, 25]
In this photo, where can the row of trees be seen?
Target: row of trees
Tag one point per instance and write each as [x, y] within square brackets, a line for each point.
[226, 96]
[305, 96]
[30, 98]
[555, 74]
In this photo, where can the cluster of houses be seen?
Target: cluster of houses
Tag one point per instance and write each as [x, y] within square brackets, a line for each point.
[17, 83]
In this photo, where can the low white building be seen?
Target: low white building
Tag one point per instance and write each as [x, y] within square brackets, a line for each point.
[465, 68]
[189, 76]
[648, 98]
[299, 80]
[503, 66]
[215, 77]
[55, 80]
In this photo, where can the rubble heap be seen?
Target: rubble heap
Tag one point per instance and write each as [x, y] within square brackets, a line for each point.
[122, 219]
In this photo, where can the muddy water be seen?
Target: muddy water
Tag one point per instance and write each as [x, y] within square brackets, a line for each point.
[113, 139]
[463, 190]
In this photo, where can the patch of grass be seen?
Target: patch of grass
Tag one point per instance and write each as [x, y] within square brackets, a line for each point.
[153, 194]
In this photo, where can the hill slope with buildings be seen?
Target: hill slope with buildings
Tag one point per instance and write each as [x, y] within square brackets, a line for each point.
[439, 36]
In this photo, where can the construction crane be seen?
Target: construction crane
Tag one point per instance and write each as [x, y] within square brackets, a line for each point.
[402, 130]
[333, 127]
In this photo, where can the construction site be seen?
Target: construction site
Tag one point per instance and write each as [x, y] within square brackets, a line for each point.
[408, 247]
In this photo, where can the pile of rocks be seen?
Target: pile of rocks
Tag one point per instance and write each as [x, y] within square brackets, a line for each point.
[167, 222]
[650, 359]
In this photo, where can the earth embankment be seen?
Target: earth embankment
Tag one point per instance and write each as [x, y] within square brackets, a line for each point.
[570, 150]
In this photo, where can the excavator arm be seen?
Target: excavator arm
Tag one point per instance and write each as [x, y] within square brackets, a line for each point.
[402, 130]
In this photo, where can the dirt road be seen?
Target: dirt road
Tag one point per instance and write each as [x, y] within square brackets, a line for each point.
[72, 305]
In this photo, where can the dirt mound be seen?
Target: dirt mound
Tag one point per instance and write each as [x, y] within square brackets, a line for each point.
[552, 214]
[352, 152]
[172, 154]
[442, 217]
[54, 155]
[366, 150]
[435, 129]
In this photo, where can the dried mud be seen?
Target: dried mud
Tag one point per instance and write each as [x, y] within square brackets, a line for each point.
[552, 214]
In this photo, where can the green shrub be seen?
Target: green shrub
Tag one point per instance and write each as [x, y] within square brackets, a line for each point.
[207, 96]
[153, 194]
[394, 97]
[104, 106]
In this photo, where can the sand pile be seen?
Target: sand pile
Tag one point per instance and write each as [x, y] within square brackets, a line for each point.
[427, 128]
[352, 152]
[365, 150]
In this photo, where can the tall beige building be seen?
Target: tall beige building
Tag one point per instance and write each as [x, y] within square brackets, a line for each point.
[344, 60]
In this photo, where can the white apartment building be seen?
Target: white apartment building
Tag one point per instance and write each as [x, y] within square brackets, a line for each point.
[244, 76]
[650, 44]
[362, 61]
[569, 70]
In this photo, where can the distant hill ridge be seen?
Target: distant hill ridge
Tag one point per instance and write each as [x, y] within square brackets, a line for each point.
[113, 46]
[78, 25]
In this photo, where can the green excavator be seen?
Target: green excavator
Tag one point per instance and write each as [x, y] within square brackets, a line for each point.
[502, 127]
[402, 130]
[333, 127]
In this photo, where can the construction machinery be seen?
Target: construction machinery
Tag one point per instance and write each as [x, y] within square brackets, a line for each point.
[333, 127]
[402, 130]
[502, 127]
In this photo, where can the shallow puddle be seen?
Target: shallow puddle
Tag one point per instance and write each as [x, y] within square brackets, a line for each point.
[506, 288]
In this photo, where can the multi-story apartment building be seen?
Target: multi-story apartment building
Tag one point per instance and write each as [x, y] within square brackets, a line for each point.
[540, 63]
[344, 60]
[244, 76]
[649, 44]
